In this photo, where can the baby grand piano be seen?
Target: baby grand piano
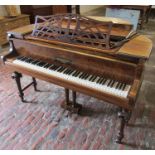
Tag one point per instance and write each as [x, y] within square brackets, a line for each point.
[104, 59]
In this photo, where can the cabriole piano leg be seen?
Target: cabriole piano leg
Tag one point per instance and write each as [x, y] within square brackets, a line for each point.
[16, 76]
[124, 116]
[34, 83]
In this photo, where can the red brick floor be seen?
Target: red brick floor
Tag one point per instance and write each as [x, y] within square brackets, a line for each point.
[42, 124]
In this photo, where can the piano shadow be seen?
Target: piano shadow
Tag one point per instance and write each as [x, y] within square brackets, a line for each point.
[30, 101]
[88, 111]
[39, 90]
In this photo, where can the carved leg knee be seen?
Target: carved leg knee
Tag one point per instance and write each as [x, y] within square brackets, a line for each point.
[124, 116]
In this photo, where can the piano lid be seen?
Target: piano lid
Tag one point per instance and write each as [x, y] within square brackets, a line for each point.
[85, 33]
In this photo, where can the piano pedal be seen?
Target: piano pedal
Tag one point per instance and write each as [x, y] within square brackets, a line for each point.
[17, 76]
[71, 108]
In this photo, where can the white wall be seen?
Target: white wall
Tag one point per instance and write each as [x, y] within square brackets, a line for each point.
[87, 8]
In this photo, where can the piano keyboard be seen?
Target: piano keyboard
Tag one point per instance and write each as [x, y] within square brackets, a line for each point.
[100, 83]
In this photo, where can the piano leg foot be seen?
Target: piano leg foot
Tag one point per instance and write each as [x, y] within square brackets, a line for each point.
[76, 108]
[124, 116]
[71, 106]
[16, 76]
[34, 83]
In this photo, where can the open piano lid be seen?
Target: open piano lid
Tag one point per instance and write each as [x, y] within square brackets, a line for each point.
[83, 32]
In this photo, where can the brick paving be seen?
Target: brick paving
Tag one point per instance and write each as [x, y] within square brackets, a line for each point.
[41, 123]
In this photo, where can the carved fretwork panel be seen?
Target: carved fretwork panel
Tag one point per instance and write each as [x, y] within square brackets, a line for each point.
[74, 29]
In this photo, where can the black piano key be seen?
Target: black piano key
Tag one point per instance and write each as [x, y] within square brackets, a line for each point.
[118, 84]
[72, 70]
[38, 62]
[60, 67]
[62, 70]
[94, 78]
[66, 71]
[97, 78]
[75, 73]
[89, 77]
[41, 63]
[56, 68]
[78, 72]
[123, 87]
[45, 64]
[101, 80]
[52, 67]
[35, 62]
[69, 71]
[82, 75]
[111, 85]
[86, 76]
[48, 65]
[115, 84]
[20, 57]
[24, 58]
[104, 81]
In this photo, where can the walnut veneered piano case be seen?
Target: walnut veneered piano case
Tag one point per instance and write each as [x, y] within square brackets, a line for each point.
[103, 59]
